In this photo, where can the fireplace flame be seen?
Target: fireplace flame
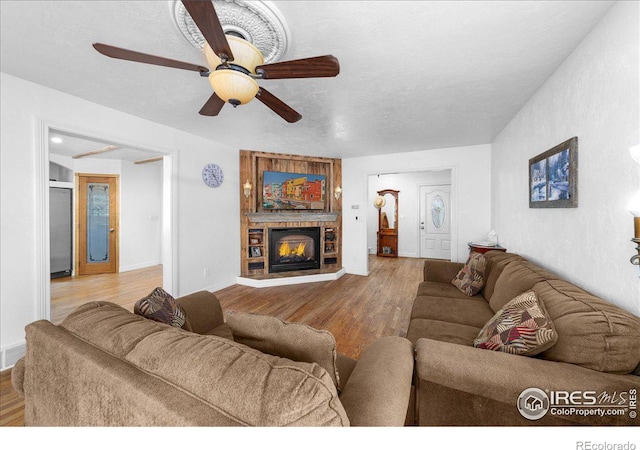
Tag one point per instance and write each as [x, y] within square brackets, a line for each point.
[285, 249]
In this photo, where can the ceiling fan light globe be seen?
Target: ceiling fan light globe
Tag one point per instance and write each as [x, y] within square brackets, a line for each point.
[233, 85]
[245, 54]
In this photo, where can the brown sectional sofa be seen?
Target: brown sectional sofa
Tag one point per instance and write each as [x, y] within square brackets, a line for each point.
[104, 366]
[597, 354]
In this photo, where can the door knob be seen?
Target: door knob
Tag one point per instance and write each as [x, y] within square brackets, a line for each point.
[111, 230]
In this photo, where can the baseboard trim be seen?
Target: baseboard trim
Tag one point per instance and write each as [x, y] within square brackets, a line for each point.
[220, 286]
[11, 355]
[143, 265]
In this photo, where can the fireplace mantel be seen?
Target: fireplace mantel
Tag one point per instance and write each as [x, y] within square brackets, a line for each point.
[292, 217]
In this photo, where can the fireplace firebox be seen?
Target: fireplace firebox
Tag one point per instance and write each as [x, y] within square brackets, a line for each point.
[294, 249]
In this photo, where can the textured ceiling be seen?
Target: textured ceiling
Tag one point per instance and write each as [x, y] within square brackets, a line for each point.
[72, 145]
[414, 75]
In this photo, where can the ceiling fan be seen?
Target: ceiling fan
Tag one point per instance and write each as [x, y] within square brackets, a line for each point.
[235, 65]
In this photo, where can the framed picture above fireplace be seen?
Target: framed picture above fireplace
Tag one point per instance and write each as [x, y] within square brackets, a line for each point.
[286, 190]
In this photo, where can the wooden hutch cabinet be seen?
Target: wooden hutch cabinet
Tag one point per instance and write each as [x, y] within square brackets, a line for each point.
[387, 204]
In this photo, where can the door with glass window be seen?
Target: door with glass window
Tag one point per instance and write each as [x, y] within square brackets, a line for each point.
[97, 223]
[435, 222]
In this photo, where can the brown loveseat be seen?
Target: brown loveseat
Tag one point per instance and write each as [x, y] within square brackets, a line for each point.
[588, 376]
[104, 366]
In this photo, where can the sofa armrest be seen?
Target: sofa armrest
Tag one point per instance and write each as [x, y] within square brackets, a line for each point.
[203, 311]
[17, 377]
[502, 377]
[441, 271]
[379, 388]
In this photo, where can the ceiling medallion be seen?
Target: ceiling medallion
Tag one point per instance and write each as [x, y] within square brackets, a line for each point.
[259, 22]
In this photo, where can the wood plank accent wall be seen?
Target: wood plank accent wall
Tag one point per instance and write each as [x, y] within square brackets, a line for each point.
[253, 164]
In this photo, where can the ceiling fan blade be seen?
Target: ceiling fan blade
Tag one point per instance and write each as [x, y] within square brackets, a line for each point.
[130, 55]
[204, 15]
[319, 66]
[278, 106]
[213, 106]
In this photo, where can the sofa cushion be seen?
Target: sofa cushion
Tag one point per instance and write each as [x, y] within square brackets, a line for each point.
[295, 341]
[160, 306]
[516, 278]
[521, 327]
[591, 332]
[464, 312]
[345, 366]
[243, 384]
[441, 331]
[437, 289]
[496, 262]
[440, 270]
[222, 330]
[251, 387]
[116, 329]
[471, 278]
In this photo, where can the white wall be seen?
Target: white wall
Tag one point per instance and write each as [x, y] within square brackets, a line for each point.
[593, 95]
[140, 215]
[471, 196]
[409, 206]
[207, 219]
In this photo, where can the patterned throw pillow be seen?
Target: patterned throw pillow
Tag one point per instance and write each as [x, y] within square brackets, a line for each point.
[161, 307]
[521, 327]
[471, 277]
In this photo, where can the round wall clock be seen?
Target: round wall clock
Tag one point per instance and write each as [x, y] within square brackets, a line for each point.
[212, 175]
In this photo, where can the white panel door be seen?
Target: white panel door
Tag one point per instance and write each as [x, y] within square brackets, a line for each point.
[435, 222]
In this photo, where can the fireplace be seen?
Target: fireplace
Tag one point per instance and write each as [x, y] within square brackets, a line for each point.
[294, 249]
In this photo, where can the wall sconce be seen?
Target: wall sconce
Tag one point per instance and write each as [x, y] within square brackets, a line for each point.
[635, 153]
[634, 209]
[247, 189]
[337, 192]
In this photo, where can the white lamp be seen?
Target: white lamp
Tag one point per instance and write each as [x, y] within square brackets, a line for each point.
[635, 153]
[233, 87]
[245, 54]
[337, 192]
[231, 81]
[247, 189]
[634, 209]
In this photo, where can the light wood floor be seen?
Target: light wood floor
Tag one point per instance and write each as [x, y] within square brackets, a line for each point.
[355, 309]
[122, 288]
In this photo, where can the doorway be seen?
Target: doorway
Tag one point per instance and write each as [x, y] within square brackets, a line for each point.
[410, 213]
[435, 222]
[97, 224]
[165, 219]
